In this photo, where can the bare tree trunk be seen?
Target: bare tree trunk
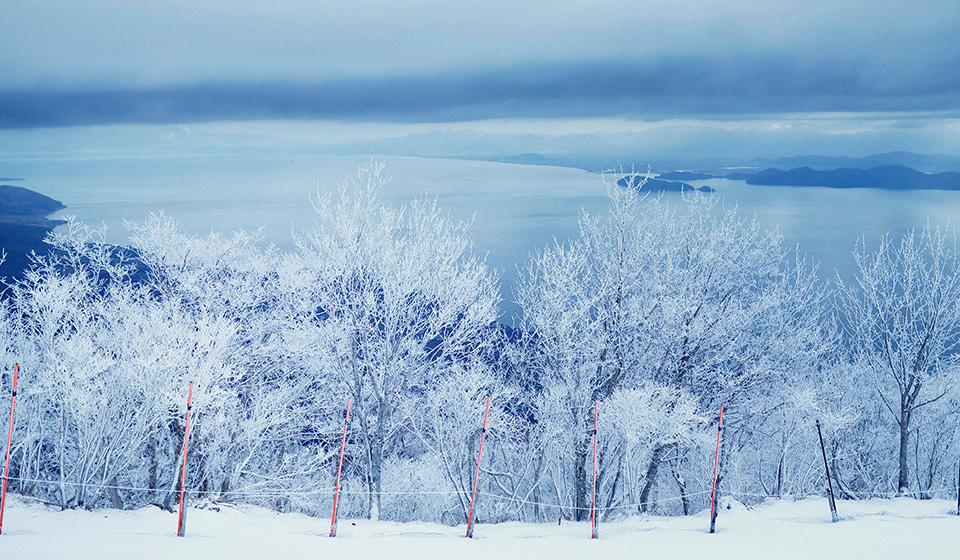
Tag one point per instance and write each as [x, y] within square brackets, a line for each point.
[173, 496]
[374, 481]
[63, 453]
[780, 466]
[903, 481]
[152, 468]
[651, 478]
[114, 495]
[583, 498]
[682, 485]
[613, 489]
[537, 515]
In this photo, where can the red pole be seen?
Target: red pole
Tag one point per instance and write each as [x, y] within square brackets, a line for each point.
[181, 520]
[6, 468]
[336, 492]
[716, 463]
[476, 477]
[593, 507]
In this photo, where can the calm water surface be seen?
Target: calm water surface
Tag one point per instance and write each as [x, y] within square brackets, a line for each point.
[515, 208]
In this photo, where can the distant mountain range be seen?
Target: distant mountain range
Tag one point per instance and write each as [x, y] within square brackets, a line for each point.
[926, 163]
[891, 177]
[698, 170]
[705, 150]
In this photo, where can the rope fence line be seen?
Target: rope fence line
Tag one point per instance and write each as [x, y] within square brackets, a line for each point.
[241, 493]
[301, 493]
[598, 508]
[860, 495]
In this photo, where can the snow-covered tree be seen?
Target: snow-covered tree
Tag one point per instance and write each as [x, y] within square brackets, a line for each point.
[387, 302]
[660, 310]
[690, 299]
[902, 314]
[89, 413]
[111, 336]
[258, 418]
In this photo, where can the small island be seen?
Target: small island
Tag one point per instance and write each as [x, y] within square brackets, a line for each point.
[23, 226]
[658, 185]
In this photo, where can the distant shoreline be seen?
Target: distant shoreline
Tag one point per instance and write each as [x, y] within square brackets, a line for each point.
[23, 226]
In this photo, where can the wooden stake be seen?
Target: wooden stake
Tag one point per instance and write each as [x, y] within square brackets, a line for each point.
[716, 464]
[6, 468]
[826, 469]
[476, 477]
[336, 492]
[593, 506]
[182, 517]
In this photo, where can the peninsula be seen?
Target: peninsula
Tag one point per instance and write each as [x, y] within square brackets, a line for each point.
[23, 226]
[890, 177]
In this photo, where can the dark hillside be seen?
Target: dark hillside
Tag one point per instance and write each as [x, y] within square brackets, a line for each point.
[892, 177]
[18, 201]
[23, 225]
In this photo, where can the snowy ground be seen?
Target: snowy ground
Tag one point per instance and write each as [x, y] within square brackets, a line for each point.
[899, 528]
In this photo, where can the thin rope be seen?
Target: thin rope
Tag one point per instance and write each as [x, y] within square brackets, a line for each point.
[238, 492]
[602, 508]
[280, 493]
[861, 494]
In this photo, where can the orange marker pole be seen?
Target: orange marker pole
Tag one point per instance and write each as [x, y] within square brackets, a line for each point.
[336, 492]
[181, 518]
[593, 507]
[476, 477]
[716, 463]
[6, 468]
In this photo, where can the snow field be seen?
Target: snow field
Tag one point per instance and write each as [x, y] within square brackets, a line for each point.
[782, 529]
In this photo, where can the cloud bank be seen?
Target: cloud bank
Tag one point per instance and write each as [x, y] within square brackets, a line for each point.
[639, 89]
[67, 63]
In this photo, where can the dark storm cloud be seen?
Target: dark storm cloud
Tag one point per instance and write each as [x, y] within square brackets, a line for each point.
[691, 85]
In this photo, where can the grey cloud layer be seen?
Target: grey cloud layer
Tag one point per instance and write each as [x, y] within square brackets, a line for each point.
[75, 63]
[674, 85]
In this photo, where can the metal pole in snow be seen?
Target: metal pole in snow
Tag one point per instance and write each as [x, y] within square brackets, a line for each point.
[476, 477]
[336, 492]
[716, 463]
[826, 468]
[6, 468]
[181, 518]
[593, 506]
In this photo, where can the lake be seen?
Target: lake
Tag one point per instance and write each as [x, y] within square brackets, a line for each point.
[515, 208]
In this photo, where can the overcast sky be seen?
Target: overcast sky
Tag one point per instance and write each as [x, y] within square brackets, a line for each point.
[411, 62]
